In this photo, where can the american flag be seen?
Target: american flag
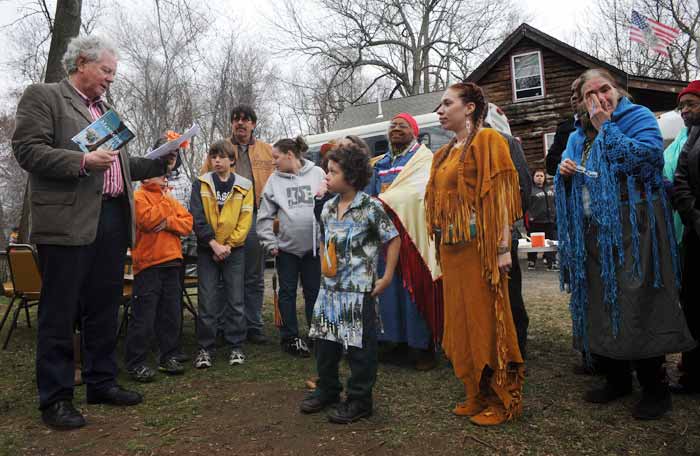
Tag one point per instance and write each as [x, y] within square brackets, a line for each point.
[655, 35]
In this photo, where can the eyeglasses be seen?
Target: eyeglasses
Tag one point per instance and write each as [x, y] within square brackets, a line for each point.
[687, 104]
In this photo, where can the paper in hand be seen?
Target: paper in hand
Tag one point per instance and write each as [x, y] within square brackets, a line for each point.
[172, 146]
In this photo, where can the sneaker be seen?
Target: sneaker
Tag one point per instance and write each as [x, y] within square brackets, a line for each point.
[237, 357]
[172, 366]
[531, 265]
[181, 357]
[349, 412]
[296, 347]
[142, 374]
[553, 266]
[203, 359]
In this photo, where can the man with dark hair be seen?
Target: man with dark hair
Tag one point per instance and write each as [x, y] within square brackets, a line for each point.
[561, 136]
[254, 162]
[686, 200]
[82, 210]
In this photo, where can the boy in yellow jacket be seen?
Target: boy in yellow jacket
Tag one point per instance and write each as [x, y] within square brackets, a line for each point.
[222, 206]
[157, 259]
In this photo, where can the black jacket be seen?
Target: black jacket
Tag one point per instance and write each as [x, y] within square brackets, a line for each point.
[542, 209]
[686, 183]
[561, 137]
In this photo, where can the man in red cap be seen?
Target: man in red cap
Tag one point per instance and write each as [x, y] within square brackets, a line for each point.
[686, 200]
[404, 328]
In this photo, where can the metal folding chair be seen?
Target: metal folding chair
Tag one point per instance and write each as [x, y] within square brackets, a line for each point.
[26, 284]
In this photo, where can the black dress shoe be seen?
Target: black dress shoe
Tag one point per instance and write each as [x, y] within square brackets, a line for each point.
[115, 395]
[62, 416]
[314, 403]
[349, 412]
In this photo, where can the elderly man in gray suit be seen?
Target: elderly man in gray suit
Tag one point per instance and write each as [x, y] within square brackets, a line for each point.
[82, 215]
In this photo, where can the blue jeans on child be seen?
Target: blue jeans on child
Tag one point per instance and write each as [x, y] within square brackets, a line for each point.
[230, 271]
[289, 269]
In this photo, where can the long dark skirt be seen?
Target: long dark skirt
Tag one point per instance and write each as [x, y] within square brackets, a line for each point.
[651, 320]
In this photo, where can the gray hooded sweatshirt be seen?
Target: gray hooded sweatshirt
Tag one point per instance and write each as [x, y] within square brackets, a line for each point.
[290, 197]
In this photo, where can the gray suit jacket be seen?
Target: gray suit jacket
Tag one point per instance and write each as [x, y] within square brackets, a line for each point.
[65, 206]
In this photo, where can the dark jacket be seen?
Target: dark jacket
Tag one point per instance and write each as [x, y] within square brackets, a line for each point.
[541, 208]
[65, 206]
[561, 137]
[518, 157]
[686, 183]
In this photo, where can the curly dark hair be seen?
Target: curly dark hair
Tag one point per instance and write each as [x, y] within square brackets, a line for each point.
[354, 162]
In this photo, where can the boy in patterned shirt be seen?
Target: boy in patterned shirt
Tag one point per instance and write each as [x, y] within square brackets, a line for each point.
[355, 228]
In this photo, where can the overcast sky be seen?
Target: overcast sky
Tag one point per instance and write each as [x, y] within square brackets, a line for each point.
[555, 17]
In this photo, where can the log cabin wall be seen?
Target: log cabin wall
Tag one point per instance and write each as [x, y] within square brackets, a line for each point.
[530, 120]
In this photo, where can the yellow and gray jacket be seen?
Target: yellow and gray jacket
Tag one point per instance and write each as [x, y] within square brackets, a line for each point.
[228, 225]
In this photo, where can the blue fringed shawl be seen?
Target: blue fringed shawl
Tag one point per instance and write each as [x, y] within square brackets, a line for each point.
[627, 154]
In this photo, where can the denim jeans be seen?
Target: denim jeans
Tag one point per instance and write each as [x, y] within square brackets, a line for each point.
[155, 309]
[230, 271]
[254, 281]
[289, 269]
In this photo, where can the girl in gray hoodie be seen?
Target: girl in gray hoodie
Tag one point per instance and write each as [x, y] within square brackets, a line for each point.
[289, 198]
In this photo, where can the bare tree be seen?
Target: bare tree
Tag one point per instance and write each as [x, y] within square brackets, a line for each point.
[607, 37]
[65, 27]
[416, 45]
[12, 180]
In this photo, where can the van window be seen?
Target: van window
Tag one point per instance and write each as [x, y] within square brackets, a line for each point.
[435, 137]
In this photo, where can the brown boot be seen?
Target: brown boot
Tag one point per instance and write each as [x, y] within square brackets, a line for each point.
[470, 407]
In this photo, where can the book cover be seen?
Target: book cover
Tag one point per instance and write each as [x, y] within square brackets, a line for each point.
[109, 131]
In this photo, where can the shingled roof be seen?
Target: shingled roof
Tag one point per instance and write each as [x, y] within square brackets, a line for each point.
[354, 116]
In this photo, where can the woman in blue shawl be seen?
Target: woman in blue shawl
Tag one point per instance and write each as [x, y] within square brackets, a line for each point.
[617, 249]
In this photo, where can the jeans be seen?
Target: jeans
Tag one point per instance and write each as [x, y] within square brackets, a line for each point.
[81, 283]
[254, 281]
[231, 307]
[363, 362]
[155, 309]
[289, 269]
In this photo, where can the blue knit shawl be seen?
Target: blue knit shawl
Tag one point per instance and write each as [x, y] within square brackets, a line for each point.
[627, 154]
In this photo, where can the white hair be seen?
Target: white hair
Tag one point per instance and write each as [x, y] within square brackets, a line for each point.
[89, 47]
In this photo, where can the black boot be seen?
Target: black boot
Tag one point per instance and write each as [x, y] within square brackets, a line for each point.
[63, 416]
[654, 404]
[608, 393]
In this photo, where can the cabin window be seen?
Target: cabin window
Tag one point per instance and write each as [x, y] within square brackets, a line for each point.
[548, 141]
[527, 76]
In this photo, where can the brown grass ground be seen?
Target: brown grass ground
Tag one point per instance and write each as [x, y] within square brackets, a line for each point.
[252, 409]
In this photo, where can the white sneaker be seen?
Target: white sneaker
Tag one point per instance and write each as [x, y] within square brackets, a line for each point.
[237, 357]
[203, 359]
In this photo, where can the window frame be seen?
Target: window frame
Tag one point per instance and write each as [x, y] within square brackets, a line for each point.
[517, 99]
[544, 141]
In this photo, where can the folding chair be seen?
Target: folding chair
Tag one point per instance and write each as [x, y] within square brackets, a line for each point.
[127, 294]
[26, 284]
[189, 283]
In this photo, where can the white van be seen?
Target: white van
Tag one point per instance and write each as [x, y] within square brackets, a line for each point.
[431, 133]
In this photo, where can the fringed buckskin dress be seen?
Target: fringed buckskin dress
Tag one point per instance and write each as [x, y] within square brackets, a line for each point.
[473, 192]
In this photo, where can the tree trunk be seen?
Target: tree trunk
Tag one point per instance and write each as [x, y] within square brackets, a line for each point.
[66, 25]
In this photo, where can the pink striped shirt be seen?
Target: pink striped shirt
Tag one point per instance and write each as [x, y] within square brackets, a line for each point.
[113, 184]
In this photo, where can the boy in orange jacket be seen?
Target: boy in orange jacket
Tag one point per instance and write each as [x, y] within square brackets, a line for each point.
[157, 259]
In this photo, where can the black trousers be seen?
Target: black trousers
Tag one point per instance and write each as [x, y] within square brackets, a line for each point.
[155, 310]
[690, 300]
[363, 362]
[517, 305]
[85, 283]
[650, 372]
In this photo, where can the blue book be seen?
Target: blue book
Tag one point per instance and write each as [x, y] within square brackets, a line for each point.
[108, 132]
